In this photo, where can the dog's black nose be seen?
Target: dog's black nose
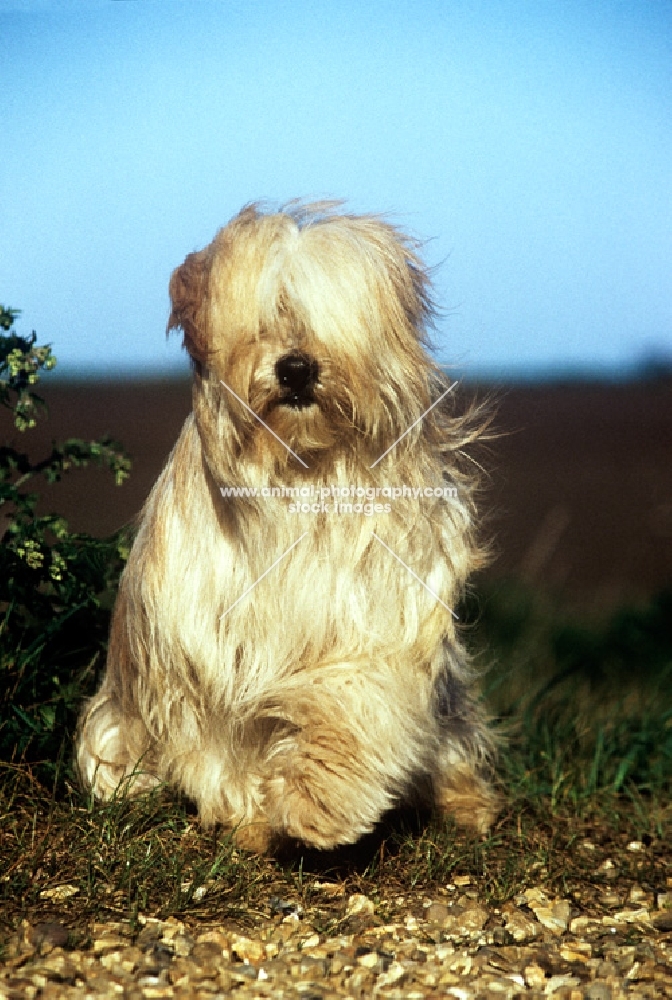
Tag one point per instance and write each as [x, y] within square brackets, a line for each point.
[295, 371]
[297, 374]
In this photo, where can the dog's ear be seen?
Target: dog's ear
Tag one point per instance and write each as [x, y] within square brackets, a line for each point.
[189, 303]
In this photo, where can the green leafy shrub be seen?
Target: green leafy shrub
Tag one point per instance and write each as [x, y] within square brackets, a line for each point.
[56, 587]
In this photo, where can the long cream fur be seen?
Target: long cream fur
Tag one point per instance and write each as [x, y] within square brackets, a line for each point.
[305, 702]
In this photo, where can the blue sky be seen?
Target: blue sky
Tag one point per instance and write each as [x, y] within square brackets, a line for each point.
[529, 142]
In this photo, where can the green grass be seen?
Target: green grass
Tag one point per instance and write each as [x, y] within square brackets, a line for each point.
[586, 707]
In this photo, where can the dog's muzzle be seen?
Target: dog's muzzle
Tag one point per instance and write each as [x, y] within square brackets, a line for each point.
[297, 374]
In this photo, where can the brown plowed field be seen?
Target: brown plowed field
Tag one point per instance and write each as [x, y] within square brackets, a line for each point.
[580, 497]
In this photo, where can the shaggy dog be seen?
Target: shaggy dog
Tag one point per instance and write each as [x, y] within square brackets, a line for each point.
[289, 659]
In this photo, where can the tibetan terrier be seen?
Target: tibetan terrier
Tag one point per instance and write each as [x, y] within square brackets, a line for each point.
[284, 647]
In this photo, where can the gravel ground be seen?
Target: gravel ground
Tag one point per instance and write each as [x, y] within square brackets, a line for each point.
[452, 945]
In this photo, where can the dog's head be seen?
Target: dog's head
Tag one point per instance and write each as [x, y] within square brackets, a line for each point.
[314, 320]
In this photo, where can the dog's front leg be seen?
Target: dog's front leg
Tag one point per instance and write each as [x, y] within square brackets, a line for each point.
[347, 762]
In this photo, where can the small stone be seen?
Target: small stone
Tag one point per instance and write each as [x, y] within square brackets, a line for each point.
[501, 937]
[149, 935]
[598, 991]
[59, 892]
[129, 960]
[500, 987]
[418, 955]
[207, 954]
[633, 916]
[611, 899]
[111, 959]
[663, 921]
[393, 976]
[461, 964]
[436, 913]
[473, 920]
[560, 982]
[535, 976]
[183, 945]
[580, 926]
[360, 983]
[243, 973]
[576, 951]
[342, 961]
[109, 942]
[608, 869]
[153, 991]
[247, 950]
[520, 926]
[535, 896]
[112, 985]
[111, 927]
[272, 949]
[217, 937]
[309, 968]
[554, 915]
[359, 905]
[559, 917]
[635, 846]
[642, 972]
[47, 935]
[370, 960]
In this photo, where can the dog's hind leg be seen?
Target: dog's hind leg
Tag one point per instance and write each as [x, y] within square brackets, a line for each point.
[462, 766]
[463, 793]
[112, 750]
